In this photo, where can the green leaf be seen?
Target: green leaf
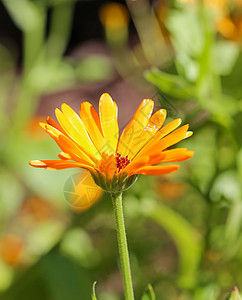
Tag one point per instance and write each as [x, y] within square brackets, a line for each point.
[149, 293]
[209, 291]
[234, 224]
[93, 291]
[94, 68]
[235, 295]
[225, 55]
[172, 85]
[185, 237]
[64, 278]
[25, 14]
[188, 39]
[226, 186]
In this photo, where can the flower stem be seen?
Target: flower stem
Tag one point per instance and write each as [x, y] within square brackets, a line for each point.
[123, 246]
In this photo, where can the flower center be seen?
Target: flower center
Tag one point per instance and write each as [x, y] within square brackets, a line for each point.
[121, 161]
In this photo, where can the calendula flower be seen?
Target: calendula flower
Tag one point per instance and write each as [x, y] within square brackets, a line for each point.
[91, 141]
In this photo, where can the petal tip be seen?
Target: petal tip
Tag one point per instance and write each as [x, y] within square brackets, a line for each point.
[188, 134]
[37, 163]
[43, 125]
[190, 153]
[106, 97]
[65, 107]
[57, 111]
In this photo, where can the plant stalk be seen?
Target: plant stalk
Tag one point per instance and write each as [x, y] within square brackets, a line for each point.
[123, 246]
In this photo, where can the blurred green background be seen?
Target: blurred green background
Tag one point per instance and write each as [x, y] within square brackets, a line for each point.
[184, 229]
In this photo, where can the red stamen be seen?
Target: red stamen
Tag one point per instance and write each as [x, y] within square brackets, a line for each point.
[121, 161]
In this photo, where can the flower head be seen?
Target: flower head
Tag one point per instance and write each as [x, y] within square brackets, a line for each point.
[91, 141]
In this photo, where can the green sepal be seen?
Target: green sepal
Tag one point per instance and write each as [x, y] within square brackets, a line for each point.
[93, 291]
[235, 295]
[149, 293]
[119, 182]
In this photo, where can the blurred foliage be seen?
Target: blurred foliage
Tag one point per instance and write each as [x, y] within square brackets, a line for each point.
[184, 230]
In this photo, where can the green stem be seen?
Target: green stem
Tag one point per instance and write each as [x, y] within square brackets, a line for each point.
[123, 246]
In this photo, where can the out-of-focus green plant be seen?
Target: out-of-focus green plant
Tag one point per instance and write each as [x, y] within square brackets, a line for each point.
[195, 82]
[149, 294]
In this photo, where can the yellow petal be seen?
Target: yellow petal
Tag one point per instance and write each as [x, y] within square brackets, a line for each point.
[68, 145]
[108, 116]
[74, 127]
[155, 123]
[91, 120]
[188, 134]
[135, 126]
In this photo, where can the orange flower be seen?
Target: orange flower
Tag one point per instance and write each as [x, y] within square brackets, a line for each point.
[11, 249]
[92, 142]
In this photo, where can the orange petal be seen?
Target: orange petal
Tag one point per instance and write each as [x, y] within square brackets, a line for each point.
[178, 154]
[157, 170]
[58, 164]
[167, 129]
[134, 165]
[173, 138]
[51, 122]
[108, 165]
[154, 124]
[108, 117]
[152, 144]
[136, 125]
[75, 150]
[82, 156]
[173, 155]
[91, 120]
[64, 156]
[74, 127]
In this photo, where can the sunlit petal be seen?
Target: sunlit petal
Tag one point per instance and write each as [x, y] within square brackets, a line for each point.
[152, 144]
[135, 127]
[65, 156]
[108, 117]
[68, 145]
[173, 138]
[154, 124]
[91, 120]
[74, 127]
